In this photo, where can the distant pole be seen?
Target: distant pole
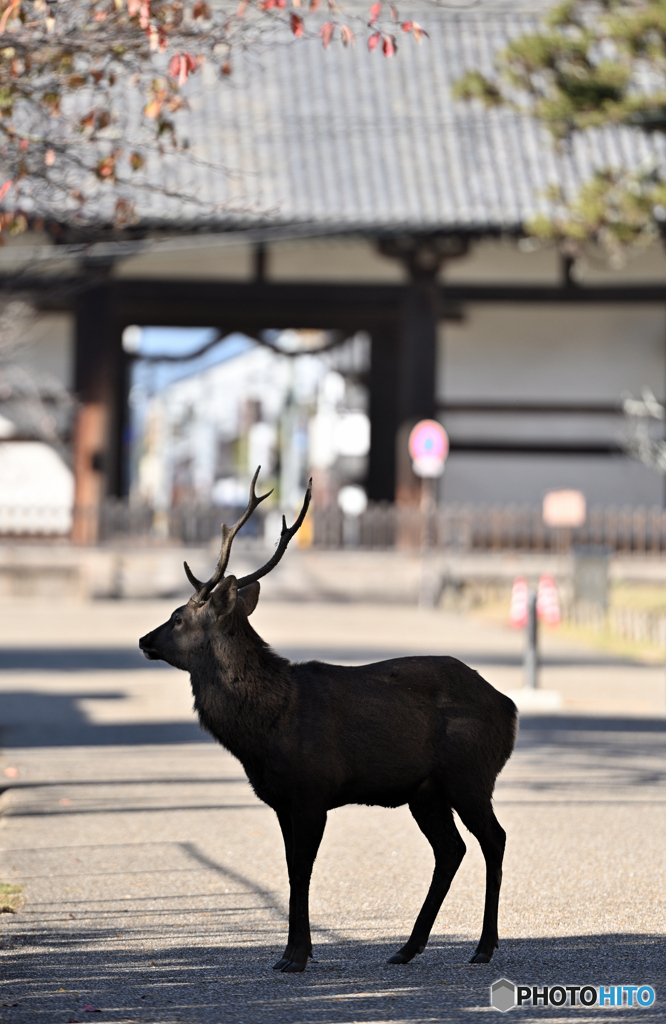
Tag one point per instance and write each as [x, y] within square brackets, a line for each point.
[428, 447]
[429, 582]
[531, 647]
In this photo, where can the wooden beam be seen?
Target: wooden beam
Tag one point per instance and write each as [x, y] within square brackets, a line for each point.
[487, 447]
[534, 408]
[181, 303]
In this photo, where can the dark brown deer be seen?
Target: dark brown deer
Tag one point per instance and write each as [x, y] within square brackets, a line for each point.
[424, 731]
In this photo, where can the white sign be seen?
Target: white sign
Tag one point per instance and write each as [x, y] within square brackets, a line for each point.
[564, 508]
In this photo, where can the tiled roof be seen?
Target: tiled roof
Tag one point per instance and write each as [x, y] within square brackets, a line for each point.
[347, 140]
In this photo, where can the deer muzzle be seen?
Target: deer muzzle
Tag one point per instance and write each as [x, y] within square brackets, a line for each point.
[149, 651]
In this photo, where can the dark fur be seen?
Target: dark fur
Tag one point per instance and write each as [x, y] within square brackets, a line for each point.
[428, 732]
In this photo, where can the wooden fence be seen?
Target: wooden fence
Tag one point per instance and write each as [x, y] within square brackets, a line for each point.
[382, 526]
[494, 528]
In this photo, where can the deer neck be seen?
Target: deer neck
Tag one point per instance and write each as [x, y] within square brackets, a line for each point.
[242, 691]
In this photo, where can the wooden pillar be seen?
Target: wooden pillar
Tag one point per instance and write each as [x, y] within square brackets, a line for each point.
[417, 378]
[98, 379]
[118, 479]
[384, 418]
[90, 434]
[422, 256]
[418, 352]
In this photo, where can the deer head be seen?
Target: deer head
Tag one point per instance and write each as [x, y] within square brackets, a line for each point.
[218, 606]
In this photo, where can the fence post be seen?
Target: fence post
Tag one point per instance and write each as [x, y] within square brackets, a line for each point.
[531, 646]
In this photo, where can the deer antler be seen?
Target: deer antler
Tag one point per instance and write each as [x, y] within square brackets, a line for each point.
[203, 590]
[285, 536]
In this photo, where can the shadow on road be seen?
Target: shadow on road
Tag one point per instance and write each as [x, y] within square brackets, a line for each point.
[198, 982]
[87, 659]
[74, 659]
[34, 719]
[37, 719]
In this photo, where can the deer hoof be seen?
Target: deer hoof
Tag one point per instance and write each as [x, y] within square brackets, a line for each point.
[281, 964]
[480, 958]
[293, 967]
[399, 958]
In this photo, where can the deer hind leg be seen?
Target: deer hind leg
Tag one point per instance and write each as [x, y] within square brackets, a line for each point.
[302, 832]
[435, 820]
[284, 819]
[482, 823]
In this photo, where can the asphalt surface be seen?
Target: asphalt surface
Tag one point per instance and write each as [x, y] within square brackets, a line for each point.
[154, 881]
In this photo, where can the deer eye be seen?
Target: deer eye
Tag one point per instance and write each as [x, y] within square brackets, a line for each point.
[177, 620]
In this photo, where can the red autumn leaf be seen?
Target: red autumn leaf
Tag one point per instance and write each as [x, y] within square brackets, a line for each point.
[105, 169]
[297, 25]
[314, 4]
[374, 40]
[374, 12]
[326, 32]
[347, 35]
[23, 145]
[389, 46]
[7, 14]
[415, 28]
[240, 11]
[226, 68]
[268, 5]
[201, 10]
[4, 189]
[144, 13]
[281, 4]
[182, 65]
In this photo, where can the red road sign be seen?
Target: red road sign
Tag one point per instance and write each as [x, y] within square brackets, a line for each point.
[428, 447]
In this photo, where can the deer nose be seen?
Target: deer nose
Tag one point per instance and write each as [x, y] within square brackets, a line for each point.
[145, 640]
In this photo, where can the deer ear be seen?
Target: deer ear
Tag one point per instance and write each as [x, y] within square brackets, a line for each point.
[248, 597]
[223, 599]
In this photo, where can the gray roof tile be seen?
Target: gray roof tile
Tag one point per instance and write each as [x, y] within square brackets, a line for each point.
[347, 140]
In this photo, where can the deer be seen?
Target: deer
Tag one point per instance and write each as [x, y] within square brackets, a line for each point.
[428, 732]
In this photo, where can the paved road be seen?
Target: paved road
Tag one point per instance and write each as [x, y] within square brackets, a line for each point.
[155, 882]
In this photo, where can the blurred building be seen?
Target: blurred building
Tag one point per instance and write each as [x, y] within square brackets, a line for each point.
[202, 435]
[389, 210]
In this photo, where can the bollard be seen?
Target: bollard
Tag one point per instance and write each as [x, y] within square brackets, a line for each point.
[531, 646]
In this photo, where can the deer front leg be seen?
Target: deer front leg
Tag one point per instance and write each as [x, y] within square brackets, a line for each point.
[302, 831]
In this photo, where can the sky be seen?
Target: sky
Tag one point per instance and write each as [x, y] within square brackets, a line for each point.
[150, 378]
